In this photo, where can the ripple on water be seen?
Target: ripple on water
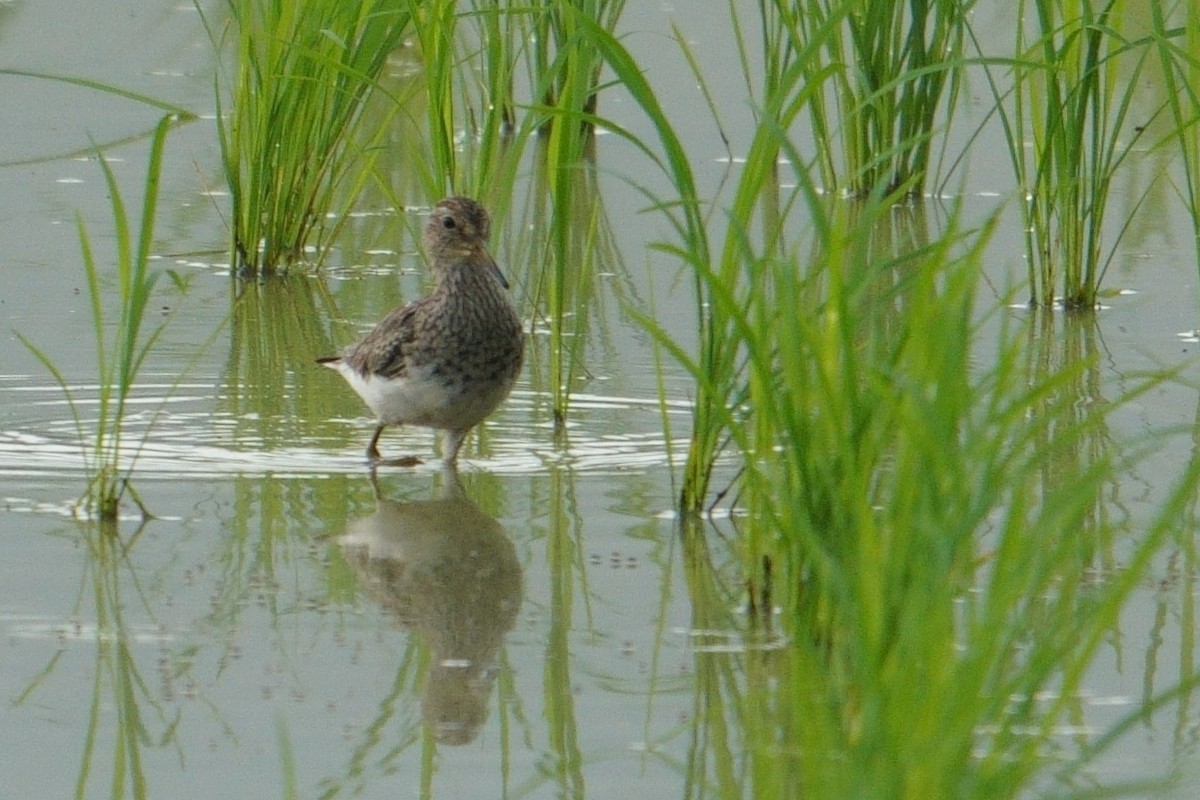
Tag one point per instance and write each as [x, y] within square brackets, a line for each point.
[173, 431]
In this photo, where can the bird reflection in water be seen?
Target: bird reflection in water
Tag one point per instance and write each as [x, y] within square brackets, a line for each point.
[447, 571]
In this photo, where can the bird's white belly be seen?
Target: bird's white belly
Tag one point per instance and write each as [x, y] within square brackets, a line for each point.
[412, 400]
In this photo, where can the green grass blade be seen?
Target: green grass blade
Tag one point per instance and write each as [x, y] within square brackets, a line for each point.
[86, 83]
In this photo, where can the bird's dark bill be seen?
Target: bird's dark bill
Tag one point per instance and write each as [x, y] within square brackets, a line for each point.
[499, 275]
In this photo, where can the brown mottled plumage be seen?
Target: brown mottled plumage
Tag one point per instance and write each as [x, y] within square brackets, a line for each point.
[447, 360]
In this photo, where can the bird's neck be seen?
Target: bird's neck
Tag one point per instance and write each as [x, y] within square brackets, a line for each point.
[460, 277]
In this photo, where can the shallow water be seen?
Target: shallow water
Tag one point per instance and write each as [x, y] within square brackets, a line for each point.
[286, 621]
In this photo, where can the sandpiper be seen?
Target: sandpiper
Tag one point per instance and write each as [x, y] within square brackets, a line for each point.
[447, 360]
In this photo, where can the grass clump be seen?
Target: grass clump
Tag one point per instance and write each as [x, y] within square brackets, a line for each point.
[119, 360]
[1069, 130]
[804, 64]
[566, 62]
[931, 537]
[905, 61]
[568, 84]
[570, 90]
[887, 78]
[290, 135]
[1179, 52]
[929, 530]
[1077, 119]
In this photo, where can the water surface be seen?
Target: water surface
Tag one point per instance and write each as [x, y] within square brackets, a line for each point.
[286, 620]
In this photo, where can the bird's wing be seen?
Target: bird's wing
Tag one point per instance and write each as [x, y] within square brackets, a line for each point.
[387, 348]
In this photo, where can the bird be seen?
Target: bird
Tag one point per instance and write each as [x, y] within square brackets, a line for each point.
[447, 360]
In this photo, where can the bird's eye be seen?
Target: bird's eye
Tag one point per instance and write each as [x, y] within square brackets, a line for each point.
[448, 223]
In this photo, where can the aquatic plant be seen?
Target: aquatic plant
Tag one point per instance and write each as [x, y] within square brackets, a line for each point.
[470, 139]
[1179, 55]
[565, 235]
[177, 112]
[569, 85]
[686, 217]
[917, 521]
[722, 280]
[1075, 79]
[475, 131]
[496, 75]
[928, 534]
[118, 361]
[567, 65]
[796, 79]
[291, 143]
[903, 69]
[888, 77]
[436, 26]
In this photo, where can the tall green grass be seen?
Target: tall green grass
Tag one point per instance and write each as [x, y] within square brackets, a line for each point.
[474, 132]
[499, 73]
[898, 88]
[887, 78]
[686, 216]
[291, 143]
[1077, 120]
[569, 88]
[121, 353]
[1069, 130]
[436, 25]
[1179, 54]
[802, 58]
[563, 238]
[476, 128]
[567, 64]
[930, 528]
[720, 279]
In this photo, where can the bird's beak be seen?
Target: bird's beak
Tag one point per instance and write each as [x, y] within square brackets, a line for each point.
[499, 275]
